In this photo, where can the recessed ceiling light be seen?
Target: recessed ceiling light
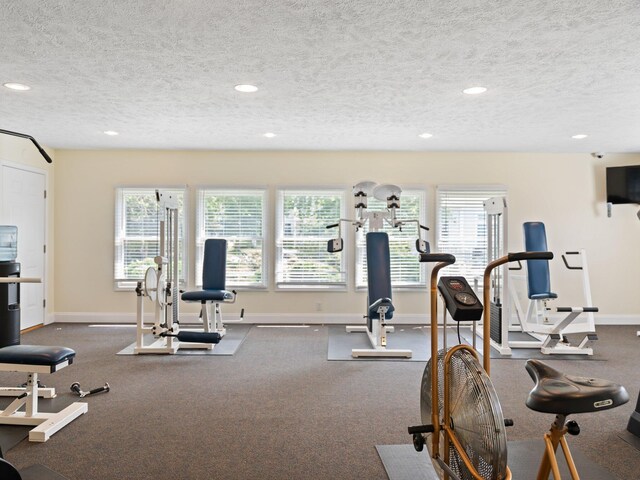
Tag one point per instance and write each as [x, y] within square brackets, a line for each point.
[111, 133]
[17, 86]
[579, 136]
[425, 135]
[246, 88]
[269, 134]
[474, 90]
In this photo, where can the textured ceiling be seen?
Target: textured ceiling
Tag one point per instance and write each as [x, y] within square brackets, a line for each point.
[351, 74]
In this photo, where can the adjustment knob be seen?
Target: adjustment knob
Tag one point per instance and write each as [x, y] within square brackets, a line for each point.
[418, 442]
[573, 428]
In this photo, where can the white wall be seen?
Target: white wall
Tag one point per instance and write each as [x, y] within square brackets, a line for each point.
[21, 151]
[567, 192]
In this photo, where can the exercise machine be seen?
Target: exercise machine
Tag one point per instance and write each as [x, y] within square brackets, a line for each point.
[379, 290]
[34, 360]
[33, 140]
[213, 291]
[508, 318]
[551, 335]
[463, 424]
[160, 286]
[501, 303]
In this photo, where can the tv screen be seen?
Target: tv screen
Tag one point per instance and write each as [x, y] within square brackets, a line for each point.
[623, 184]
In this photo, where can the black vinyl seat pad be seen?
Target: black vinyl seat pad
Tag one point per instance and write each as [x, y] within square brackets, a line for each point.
[558, 393]
[207, 296]
[36, 355]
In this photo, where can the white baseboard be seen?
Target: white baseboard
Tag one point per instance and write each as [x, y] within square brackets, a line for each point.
[257, 318]
[293, 318]
[617, 319]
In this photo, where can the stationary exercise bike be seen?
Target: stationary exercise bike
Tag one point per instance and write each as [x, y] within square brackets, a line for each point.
[463, 425]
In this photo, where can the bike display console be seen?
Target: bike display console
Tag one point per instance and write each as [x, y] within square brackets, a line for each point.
[460, 299]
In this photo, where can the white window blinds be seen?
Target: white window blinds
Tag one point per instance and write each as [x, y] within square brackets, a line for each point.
[302, 259]
[238, 217]
[137, 230]
[462, 227]
[406, 270]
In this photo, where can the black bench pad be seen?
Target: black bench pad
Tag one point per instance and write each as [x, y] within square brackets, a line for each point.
[36, 355]
[207, 295]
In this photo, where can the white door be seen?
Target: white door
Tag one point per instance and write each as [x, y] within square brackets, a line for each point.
[24, 205]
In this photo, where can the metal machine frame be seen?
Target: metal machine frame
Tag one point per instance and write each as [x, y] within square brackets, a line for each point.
[549, 334]
[161, 287]
[507, 314]
[376, 219]
[46, 424]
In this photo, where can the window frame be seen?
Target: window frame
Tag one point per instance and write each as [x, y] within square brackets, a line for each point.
[127, 284]
[342, 286]
[494, 190]
[199, 233]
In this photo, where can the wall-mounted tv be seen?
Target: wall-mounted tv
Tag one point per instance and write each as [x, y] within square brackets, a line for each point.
[623, 184]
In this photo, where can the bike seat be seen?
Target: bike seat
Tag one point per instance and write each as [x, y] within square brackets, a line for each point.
[558, 393]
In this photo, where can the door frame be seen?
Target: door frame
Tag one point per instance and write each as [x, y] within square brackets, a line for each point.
[45, 270]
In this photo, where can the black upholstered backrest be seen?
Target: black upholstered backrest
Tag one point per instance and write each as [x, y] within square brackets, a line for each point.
[214, 265]
[378, 266]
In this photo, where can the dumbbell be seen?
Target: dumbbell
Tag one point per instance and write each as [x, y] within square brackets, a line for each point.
[75, 388]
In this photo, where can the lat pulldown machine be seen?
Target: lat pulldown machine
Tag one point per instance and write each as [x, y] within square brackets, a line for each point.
[379, 304]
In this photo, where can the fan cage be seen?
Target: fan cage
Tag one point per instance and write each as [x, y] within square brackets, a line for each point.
[476, 417]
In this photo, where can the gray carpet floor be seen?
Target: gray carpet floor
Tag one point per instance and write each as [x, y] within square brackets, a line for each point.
[278, 409]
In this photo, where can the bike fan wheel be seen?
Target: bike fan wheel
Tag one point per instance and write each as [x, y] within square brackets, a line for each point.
[476, 416]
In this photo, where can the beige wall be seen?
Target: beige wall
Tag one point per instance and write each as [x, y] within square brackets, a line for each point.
[21, 151]
[565, 191]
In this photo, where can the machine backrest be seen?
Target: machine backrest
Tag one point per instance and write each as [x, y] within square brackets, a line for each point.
[535, 240]
[378, 266]
[214, 265]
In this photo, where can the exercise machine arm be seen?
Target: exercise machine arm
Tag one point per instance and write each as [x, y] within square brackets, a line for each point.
[29, 137]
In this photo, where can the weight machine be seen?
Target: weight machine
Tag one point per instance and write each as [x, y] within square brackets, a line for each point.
[160, 286]
[379, 299]
[545, 333]
[550, 335]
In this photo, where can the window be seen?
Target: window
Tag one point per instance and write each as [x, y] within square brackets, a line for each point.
[302, 258]
[137, 230]
[406, 270]
[462, 227]
[238, 217]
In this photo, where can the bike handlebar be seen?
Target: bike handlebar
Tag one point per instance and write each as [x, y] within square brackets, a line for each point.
[437, 257]
[515, 257]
